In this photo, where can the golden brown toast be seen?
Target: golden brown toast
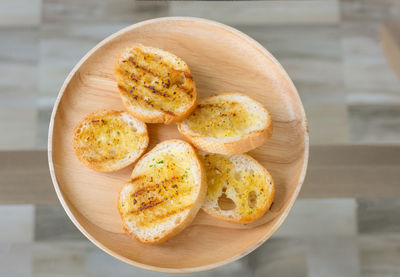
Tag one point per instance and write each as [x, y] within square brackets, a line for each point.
[166, 190]
[230, 123]
[109, 140]
[155, 85]
[239, 188]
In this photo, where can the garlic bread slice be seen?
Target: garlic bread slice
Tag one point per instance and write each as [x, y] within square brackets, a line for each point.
[155, 85]
[230, 123]
[109, 140]
[239, 188]
[166, 190]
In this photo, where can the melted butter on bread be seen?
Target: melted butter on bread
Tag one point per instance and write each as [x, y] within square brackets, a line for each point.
[220, 119]
[249, 188]
[163, 188]
[152, 80]
[104, 139]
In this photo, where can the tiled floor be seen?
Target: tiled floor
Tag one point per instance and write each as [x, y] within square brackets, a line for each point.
[331, 50]
[319, 238]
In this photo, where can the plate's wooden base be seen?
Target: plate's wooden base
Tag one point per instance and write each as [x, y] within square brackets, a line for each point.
[221, 60]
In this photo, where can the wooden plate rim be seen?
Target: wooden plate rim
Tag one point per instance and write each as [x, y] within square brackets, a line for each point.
[282, 217]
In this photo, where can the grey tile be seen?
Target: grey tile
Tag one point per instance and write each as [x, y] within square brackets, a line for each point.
[16, 259]
[17, 223]
[18, 67]
[21, 128]
[60, 259]
[61, 47]
[379, 216]
[109, 11]
[310, 54]
[365, 68]
[260, 12]
[43, 120]
[328, 123]
[357, 97]
[20, 12]
[380, 255]
[52, 223]
[99, 264]
[369, 10]
[241, 267]
[374, 123]
[19, 45]
[317, 218]
[281, 258]
[333, 256]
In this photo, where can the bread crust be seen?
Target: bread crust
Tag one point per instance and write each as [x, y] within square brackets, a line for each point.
[260, 212]
[246, 143]
[161, 116]
[79, 154]
[195, 207]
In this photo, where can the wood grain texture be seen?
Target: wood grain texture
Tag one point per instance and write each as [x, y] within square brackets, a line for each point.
[222, 60]
[332, 172]
[390, 40]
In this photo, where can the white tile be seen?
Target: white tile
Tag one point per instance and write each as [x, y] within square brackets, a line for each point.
[21, 128]
[16, 223]
[320, 218]
[260, 12]
[20, 12]
[15, 93]
[16, 259]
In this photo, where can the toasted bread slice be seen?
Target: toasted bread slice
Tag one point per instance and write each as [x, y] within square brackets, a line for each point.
[239, 188]
[167, 189]
[109, 140]
[230, 123]
[155, 85]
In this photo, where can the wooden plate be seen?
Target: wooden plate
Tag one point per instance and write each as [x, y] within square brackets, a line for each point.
[221, 59]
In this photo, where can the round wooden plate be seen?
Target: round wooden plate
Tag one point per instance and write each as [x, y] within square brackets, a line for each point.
[221, 59]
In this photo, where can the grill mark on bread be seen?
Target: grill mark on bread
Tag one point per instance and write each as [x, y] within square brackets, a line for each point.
[147, 101]
[155, 187]
[162, 79]
[165, 84]
[150, 204]
[145, 69]
[152, 201]
[214, 105]
[157, 92]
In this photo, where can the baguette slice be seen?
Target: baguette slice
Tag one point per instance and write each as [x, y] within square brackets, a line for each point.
[109, 140]
[167, 189]
[239, 188]
[230, 123]
[155, 85]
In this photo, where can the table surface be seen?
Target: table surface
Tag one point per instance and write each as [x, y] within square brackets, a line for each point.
[346, 221]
